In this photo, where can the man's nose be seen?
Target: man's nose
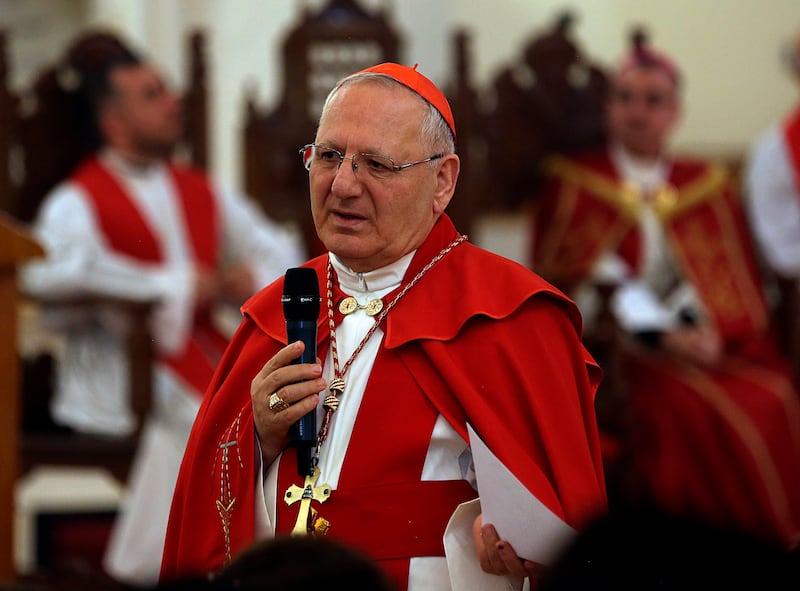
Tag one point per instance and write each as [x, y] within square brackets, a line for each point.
[350, 168]
[353, 165]
[345, 181]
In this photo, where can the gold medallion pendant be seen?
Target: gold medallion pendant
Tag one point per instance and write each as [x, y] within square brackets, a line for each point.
[374, 307]
[349, 305]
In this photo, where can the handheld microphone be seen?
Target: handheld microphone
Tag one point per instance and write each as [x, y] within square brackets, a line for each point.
[301, 302]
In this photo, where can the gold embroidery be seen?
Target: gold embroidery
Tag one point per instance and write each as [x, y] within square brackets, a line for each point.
[624, 198]
[226, 501]
[665, 200]
[738, 421]
[709, 249]
[570, 243]
[701, 190]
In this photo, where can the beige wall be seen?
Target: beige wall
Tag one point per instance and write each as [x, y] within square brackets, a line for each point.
[729, 51]
[728, 48]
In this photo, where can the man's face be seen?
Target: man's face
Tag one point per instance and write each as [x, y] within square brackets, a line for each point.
[370, 222]
[148, 116]
[642, 110]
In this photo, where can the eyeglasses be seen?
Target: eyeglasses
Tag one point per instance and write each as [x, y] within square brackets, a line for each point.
[379, 167]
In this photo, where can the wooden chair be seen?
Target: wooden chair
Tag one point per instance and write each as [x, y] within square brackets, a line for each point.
[43, 443]
[325, 45]
[28, 147]
[470, 199]
[787, 321]
[548, 99]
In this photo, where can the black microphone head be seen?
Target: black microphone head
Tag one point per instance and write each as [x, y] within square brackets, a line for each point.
[301, 299]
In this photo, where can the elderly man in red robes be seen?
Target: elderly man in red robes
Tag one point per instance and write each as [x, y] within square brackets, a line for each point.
[716, 422]
[420, 335]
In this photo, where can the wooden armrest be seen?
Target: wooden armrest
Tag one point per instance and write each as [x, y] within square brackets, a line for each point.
[115, 454]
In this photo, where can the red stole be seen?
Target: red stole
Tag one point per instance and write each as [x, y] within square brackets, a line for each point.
[582, 213]
[127, 232]
[791, 135]
[708, 233]
[587, 210]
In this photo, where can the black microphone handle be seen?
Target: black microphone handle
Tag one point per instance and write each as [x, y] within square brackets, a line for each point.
[303, 433]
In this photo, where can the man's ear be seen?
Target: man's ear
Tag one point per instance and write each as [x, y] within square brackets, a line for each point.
[109, 122]
[446, 178]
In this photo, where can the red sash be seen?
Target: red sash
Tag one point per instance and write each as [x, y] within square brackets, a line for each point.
[791, 134]
[708, 232]
[127, 232]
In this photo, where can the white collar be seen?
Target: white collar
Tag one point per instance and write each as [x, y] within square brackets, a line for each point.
[379, 281]
[648, 175]
[116, 162]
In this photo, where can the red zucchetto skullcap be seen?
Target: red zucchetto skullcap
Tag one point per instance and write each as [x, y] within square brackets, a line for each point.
[411, 78]
[643, 55]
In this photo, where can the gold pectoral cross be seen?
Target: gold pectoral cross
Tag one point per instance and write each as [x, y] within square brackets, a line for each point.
[307, 521]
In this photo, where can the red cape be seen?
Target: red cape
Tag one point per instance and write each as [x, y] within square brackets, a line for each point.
[503, 353]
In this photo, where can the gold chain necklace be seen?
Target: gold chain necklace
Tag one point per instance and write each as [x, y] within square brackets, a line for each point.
[308, 519]
[337, 384]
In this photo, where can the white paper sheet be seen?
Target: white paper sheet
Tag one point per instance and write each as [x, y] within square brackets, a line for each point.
[464, 568]
[535, 532]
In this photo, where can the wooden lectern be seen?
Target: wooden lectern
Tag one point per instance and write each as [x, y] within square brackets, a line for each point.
[16, 246]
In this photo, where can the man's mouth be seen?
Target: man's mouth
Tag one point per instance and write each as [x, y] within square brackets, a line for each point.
[348, 216]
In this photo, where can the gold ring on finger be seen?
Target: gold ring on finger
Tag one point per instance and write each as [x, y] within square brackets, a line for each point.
[277, 404]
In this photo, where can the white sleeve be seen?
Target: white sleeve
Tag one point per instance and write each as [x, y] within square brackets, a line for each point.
[264, 516]
[634, 304]
[638, 308]
[78, 262]
[250, 236]
[773, 203]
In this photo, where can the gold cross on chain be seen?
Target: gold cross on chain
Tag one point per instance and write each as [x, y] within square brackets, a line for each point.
[320, 493]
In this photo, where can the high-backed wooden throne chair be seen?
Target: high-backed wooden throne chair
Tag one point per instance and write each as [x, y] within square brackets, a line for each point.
[548, 99]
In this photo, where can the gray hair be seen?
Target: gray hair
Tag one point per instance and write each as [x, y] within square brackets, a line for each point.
[435, 133]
